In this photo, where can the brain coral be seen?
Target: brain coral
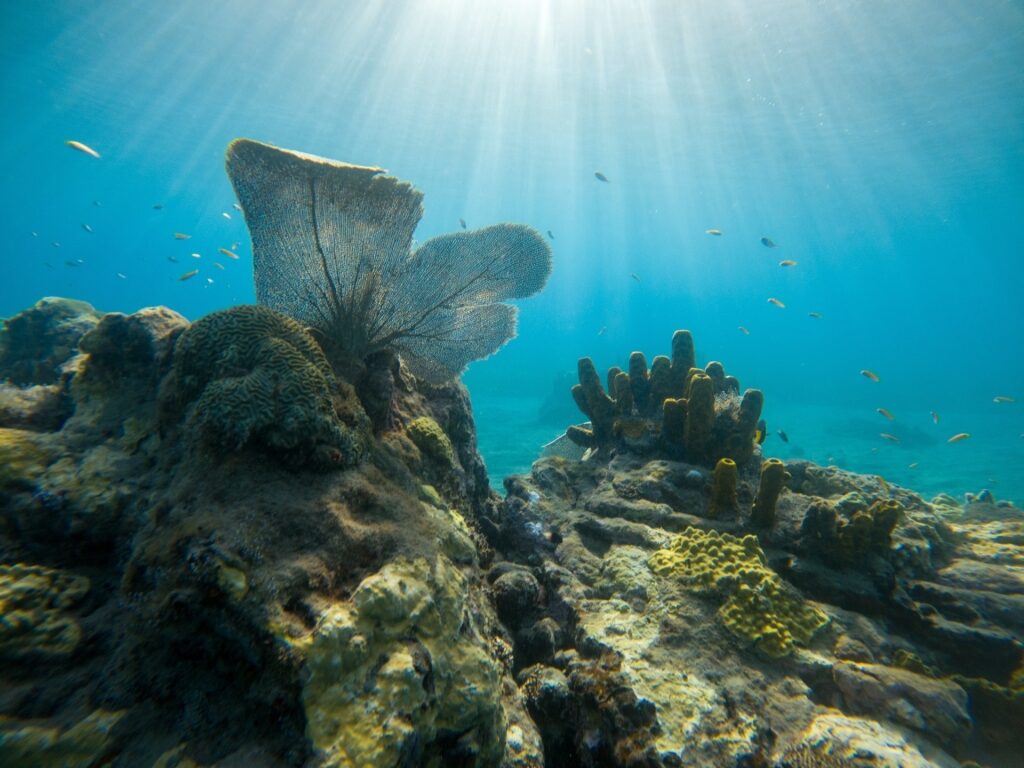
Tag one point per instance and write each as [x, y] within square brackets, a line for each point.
[331, 248]
[254, 377]
[758, 607]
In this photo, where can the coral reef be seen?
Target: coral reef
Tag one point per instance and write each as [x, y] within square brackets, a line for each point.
[32, 618]
[250, 376]
[331, 248]
[723, 488]
[673, 408]
[849, 539]
[431, 440]
[773, 480]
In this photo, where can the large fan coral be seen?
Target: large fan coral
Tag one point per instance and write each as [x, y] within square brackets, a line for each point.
[331, 248]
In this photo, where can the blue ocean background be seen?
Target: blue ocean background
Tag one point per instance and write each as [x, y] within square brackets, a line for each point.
[879, 144]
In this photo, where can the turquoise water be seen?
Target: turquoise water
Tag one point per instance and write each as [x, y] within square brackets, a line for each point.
[879, 144]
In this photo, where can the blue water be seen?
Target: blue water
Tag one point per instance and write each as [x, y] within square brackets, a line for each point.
[879, 144]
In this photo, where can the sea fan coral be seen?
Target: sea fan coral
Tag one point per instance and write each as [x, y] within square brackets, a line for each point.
[331, 248]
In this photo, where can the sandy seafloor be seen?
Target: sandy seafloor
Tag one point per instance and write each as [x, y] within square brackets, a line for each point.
[510, 435]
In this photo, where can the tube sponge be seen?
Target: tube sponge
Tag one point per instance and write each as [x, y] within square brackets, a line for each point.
[773, 480]
[723, 488]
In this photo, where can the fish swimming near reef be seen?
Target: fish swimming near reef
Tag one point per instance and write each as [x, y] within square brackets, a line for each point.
[776, 302]
[715, 232]
[603, 329]
[958, 437]
[935, 417]
[787, 263]
[890, 438]
[1003, 399]
[173, 259]
[218, 265]
[744, 331]
[229, 254]
[761, 432]
[158, 206]
[870, 375]
[815, 315]
[601, 177]
[782, 435]
[767, 242]
[87, 228]
[912, 465]
[188, 275]
[462, 223]
[196, 255]
[226, 215]
[887, 413]
[236, 206]
[83, 148]
[551, 234]
[182, 236]
[635, 276]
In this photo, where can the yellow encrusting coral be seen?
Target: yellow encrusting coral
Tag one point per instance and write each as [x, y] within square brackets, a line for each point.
[33, 601]
[431, 440]
[401, 666]
[759, 606]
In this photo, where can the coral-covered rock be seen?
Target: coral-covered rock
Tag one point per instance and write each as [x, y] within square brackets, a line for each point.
[35, 343]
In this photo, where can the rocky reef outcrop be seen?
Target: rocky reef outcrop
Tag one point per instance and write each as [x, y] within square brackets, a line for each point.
[684, 608]
[211, 557]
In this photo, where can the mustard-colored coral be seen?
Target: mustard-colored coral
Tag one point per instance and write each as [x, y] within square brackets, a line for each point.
[431, 440]
[33, 601]
[22, 458]
[399, 667]
[83, 745]
[759, 607]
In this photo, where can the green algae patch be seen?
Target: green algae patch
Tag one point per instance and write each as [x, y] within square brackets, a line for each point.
[759, 607]
[399, 666]
[431, 440]
[33, 601]
[83, 745]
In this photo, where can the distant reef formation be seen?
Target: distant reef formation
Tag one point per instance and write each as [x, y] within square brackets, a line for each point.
[213, 553]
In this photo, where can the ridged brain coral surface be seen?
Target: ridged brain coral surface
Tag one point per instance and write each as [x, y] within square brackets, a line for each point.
[759, 607]
[258, 379]
[331, 248]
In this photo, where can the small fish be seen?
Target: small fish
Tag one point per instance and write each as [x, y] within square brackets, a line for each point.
[761, 432]
[218, 265]
[815, 315]
[870, 375]
[234, 245]
[787, 263]
[634, 276]
[173, 259]
[196, 255]
[209, 281]
[35, 234]
[87, 228]
[782, 435]
[55, 244]
[601, 177]
[887, 436]
[551, 234]
[603, 329]
[462, 223]
[229, 254]
[767, 242]
[181, 236]
[715, 232]
[912, 465]
[122, 275]
[82, 148]
[885, 412]
[188, 275]
[744, 331]
[777, 303]
[158, 207]
[97, 203]
[74, 262]
[236, 206]
[935, 417]
[226, 215]
[1003, 399]
[958, 437]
